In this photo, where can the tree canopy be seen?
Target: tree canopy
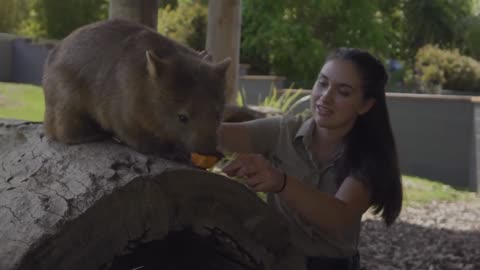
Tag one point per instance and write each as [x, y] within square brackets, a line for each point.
[283, 37]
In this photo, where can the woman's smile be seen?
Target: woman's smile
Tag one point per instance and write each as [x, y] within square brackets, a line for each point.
[323, 110]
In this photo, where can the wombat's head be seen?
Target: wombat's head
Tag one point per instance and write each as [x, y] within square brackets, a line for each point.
[188, 99]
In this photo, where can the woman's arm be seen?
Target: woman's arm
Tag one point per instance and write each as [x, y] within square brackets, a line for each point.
[255, 136]
[234, 137]
[329, 213]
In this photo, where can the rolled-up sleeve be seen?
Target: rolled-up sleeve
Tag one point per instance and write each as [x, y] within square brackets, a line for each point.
[264, 134]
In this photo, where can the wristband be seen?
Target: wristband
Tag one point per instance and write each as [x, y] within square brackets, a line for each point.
[284, 183]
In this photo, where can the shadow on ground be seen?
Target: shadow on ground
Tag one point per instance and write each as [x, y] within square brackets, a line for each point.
[410, 246]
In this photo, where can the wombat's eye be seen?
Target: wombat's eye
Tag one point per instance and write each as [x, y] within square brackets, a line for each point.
[183, 118]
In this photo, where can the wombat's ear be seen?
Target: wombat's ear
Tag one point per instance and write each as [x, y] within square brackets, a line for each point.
[205, 56]
[154, 64]
[222, 66]
[202, 53]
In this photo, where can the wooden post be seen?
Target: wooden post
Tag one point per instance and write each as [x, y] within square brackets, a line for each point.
[140, 11]
[223, 38]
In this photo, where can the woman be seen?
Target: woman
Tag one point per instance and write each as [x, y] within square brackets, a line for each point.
[324, 172]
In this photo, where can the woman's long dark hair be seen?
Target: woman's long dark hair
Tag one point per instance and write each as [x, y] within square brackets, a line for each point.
[370, 153]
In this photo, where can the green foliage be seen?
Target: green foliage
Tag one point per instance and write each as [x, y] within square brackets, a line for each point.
[62, 17]
[284, 37]
[468, 36]
[284, 101]
[292, 38]
[409, 79]
[241, 98]
[447, 68]
[186, 23]
[364, 24]
[32, 26]
[7, 17]
[12, 12]
[276, 39]
[165, 3]
[433, 21]
[56, 19]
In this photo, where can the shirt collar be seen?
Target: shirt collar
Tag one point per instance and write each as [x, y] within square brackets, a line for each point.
[305, 135]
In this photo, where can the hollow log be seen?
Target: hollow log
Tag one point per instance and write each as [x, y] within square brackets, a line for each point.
[91, 206]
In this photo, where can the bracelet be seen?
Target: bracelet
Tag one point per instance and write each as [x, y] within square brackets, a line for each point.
[284, 183]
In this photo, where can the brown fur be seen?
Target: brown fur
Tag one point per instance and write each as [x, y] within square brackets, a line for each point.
[123, 79]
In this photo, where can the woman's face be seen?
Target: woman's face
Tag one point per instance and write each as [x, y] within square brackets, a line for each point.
[337, 96]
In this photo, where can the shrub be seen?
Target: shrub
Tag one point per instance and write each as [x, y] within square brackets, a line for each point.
[187, 23]
[448, 69]
[282, 101]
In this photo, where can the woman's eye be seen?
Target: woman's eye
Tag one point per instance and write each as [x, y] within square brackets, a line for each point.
[344, 92]
[323, 84]
[183, 118]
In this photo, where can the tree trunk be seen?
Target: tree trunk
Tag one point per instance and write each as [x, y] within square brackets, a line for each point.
[89, 206]
[223, 38]
[139, 11]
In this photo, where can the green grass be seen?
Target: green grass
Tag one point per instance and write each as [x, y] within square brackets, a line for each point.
[21, 101]
[419, 191]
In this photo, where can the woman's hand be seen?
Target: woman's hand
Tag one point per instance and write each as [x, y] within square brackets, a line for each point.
[256, 172]
[331, 213]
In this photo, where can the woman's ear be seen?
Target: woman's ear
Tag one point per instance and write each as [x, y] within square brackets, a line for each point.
[367, 105]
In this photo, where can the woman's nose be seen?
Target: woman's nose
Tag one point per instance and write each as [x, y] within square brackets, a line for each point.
[327, 95]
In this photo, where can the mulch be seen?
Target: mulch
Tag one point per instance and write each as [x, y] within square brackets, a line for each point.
[434, 236]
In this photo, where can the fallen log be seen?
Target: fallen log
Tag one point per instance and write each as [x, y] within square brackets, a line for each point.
[104, 206]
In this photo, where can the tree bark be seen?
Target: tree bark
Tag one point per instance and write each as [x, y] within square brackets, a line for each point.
[77, 207]
[223, 38]
[139, 11]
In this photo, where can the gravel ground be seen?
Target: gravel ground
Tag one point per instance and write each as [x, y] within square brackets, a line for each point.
[434, 236]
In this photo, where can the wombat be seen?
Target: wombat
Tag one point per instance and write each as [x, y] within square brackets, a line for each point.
[122, 79]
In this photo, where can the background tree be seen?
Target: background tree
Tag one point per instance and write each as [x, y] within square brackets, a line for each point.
[56, 19]
[12, 12]
[467, 36]
[284, 37]
[291, 38]
[433, 21]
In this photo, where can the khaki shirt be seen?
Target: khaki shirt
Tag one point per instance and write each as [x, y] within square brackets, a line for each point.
[286, 142]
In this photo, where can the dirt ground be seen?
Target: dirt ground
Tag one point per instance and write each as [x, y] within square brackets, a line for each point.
[435, 236]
